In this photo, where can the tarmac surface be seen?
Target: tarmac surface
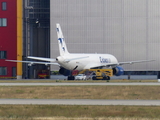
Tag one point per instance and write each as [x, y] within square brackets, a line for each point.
[79, 102]
[121, 77]
[76, 84]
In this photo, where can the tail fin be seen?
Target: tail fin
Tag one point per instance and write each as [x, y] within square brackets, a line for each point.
[62, 45]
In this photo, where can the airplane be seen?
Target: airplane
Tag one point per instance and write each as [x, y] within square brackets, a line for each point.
[77, 61]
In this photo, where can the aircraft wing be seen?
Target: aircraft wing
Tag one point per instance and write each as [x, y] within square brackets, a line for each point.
[42, 58]
[89, 66]
[34, 62]
[132, 62]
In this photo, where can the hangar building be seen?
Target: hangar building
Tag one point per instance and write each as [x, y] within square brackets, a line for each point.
[128, 29]
[10, 38]
[24, 30]
[36, 34]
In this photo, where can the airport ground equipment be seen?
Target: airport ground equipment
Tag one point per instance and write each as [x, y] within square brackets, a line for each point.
[99, 74]
[102, 74]
[80, 77]
[43, 74]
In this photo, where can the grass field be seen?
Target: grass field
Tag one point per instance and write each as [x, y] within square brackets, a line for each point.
[79, 112]
[81, 92]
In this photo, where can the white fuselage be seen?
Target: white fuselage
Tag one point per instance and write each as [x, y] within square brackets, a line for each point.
[89, 61]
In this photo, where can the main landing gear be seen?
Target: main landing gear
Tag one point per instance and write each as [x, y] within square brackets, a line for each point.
[70, 78]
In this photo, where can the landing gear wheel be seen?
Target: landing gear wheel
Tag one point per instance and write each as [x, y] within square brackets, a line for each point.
[108, 78]
[70, 78]
[94, 78]
[105, 78]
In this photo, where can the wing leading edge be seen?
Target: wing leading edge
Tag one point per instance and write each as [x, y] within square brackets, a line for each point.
[132, 62]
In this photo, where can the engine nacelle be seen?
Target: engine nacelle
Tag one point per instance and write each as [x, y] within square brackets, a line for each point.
[117, 71]
[64, 71]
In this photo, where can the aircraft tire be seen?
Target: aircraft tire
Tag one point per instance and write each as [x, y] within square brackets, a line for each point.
[70, 78]
[94, 78]
[107, 78]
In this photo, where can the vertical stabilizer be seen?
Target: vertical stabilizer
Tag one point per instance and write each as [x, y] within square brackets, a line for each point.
[62, 45]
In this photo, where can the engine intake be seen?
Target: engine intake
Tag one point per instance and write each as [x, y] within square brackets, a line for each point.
[64, 71]
[117, 71]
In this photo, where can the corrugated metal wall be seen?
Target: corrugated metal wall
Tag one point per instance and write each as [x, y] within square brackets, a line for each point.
[128, 29]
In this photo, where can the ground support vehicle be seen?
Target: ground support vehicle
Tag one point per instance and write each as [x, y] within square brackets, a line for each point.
[80, 77]
[99, 74]
[43, 74]
[94, 74]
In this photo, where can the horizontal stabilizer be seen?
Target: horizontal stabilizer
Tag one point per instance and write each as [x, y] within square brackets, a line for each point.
[68, 60]
[34, 62]
[42, 58]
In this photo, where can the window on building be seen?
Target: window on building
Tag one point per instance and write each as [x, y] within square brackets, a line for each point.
[4, 6]
[3, 70]
[3, 54]
[3, 22]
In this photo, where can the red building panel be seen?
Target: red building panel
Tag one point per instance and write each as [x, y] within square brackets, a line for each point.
[8, 35]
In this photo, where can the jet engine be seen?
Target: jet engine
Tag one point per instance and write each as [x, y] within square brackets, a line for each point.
[117, 71]
[64, 71]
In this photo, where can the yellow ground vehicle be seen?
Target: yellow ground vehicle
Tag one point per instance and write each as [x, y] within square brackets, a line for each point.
[100, 74]
[43, 74]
